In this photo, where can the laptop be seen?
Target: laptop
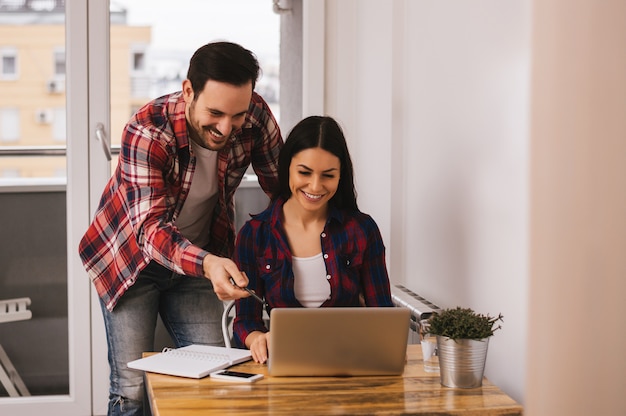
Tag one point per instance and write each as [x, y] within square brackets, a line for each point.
[355, 341]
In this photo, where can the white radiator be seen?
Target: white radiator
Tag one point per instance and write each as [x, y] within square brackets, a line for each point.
[420, 308]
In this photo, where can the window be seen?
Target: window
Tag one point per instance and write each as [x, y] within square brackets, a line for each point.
[8, 63]
[9, 125]
[58, 125]
[59, 62]
[139, 61]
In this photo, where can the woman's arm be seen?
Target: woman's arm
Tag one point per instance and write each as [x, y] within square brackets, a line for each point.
[374, 276]
[249, 316]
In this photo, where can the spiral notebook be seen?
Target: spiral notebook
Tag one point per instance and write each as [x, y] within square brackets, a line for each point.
[193, 361]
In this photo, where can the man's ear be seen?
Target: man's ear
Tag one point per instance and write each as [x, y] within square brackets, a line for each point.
[187, 91]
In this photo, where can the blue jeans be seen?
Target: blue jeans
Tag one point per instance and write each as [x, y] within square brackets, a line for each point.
[190, 311]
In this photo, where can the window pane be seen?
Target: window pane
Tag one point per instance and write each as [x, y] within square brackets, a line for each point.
[139, 63]
[158, 41]
[33, 253]
[36, 35]
[59, 62]
[9, 125]
[8, 65]
[58, 128]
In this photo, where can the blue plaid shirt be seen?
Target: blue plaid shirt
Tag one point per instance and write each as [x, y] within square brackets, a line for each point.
[353, 252]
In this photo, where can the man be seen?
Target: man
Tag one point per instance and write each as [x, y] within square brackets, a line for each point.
[163, 233]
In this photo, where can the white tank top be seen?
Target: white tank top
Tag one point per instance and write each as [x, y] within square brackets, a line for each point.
[310, 282]
[194, 219]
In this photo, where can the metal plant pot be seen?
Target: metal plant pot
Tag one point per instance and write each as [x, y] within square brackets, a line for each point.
[462, 362]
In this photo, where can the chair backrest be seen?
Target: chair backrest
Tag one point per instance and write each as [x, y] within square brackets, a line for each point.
[15, 310]
[227, 322]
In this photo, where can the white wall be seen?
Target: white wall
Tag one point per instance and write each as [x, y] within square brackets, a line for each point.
[433, 97]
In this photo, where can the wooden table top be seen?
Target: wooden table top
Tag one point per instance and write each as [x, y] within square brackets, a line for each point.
[416, 392]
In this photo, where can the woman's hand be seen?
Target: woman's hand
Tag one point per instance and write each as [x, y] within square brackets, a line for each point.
[258, 343]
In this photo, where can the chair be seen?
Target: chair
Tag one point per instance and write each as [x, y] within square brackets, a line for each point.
[227, 323]
[13, 310]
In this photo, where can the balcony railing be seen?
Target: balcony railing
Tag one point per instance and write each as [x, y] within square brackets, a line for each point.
[42, 150]
[52, 183]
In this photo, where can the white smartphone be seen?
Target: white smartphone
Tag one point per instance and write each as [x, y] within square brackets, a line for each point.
[230, 375]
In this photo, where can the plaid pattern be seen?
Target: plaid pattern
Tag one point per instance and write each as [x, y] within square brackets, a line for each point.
[354, 255]
[134, 220]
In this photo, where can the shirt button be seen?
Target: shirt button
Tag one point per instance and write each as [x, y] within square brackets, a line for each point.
[267, 267]
[323, 234]
[327, 277]
[325, 256]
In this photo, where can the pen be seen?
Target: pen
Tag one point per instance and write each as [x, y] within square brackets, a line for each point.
[254, 295]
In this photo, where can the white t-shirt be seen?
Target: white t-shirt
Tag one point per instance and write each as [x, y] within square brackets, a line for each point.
[194, 219]
[311, 283]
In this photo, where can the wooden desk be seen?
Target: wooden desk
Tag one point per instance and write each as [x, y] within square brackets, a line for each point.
[414, 393]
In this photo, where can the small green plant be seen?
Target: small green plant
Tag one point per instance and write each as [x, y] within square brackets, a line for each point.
[463, 323]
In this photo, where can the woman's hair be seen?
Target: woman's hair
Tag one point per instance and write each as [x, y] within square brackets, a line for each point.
[224, 62]
[324, 133]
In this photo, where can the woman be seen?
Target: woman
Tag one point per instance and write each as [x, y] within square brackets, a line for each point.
[311, 247]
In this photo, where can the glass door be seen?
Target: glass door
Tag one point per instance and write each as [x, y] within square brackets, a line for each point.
[71, 74]
[149, 45]
[44, 295]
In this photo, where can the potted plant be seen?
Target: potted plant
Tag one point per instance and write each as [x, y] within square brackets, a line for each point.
[462, 341]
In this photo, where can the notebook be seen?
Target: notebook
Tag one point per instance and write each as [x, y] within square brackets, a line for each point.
[338, 341]
[194, 361]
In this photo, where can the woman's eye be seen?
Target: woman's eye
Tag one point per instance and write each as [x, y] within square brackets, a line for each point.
[304, 173]
[329, 176]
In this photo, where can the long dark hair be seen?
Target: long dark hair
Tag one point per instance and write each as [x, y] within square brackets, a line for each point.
[224, 62]
[325, 133]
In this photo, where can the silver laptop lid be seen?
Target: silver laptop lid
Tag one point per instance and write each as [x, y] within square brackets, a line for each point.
[338, 341]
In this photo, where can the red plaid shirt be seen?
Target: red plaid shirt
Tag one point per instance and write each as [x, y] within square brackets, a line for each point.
[134, 223]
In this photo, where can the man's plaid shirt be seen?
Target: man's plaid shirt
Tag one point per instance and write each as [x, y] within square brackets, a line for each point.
[134, 222]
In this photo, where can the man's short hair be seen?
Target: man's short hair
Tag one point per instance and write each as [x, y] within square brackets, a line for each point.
[224, 62]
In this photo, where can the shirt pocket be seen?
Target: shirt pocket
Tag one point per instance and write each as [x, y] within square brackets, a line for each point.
[274, 277]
